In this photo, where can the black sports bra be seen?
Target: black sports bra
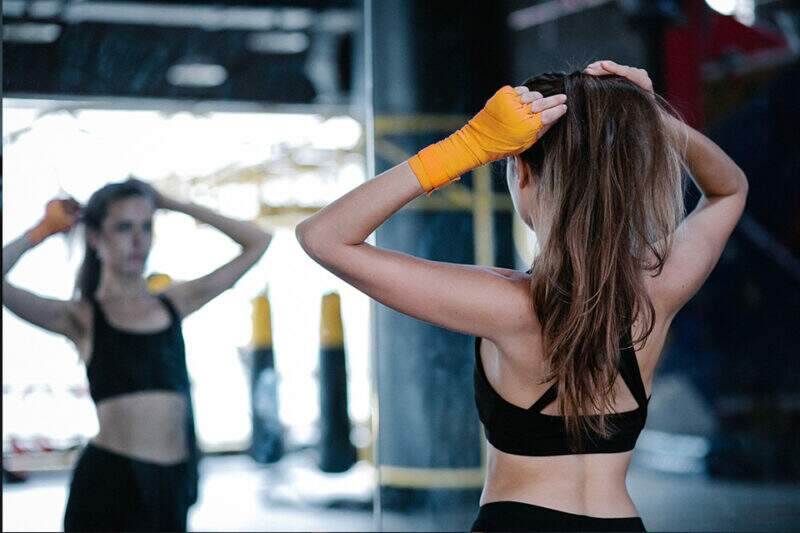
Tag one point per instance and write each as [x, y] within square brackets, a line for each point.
[123, 361]
[520, 431]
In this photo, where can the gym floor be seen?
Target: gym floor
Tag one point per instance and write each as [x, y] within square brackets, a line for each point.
[237, 495]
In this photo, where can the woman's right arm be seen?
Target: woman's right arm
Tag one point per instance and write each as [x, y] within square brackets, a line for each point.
[700, 239]
[58, 316]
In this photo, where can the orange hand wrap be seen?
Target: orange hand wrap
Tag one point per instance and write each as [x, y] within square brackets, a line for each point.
[59, 215]
[505, 126]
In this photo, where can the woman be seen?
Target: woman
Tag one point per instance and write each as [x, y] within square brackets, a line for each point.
[139, 473]
[565, 365]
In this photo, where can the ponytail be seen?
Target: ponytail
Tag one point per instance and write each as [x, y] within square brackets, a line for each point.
[89, 273]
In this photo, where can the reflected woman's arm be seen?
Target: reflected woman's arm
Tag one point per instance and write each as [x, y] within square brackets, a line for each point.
[190, 296]
[57, 316]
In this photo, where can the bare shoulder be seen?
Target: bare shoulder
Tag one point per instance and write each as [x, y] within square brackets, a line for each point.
[516, 294]
[81, 315]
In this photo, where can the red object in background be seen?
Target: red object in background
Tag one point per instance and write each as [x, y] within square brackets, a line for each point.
[705, 37]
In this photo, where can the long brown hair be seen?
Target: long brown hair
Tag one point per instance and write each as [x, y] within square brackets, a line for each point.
[609, 195]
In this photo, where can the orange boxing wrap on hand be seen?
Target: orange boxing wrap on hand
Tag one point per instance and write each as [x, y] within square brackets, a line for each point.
[60, 215]
[505, 126]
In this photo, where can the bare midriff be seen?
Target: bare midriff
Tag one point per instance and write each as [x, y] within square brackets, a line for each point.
[588, 484]
[149, 426]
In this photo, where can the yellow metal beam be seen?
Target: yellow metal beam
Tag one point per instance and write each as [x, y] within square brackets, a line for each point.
[403, 124]
[483, 216]
[430, 478]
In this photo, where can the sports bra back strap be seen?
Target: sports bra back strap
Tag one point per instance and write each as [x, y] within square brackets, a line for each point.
[545, 399]
[176, 317]
[631, 374]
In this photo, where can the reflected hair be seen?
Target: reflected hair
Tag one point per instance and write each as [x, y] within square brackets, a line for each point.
[609, 195]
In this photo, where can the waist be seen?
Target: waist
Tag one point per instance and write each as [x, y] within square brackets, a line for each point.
[149, 426]
[517, 516]
[588, 484]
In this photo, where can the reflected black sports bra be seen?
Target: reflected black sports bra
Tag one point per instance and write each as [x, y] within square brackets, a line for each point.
[123, 361]
[520, 431]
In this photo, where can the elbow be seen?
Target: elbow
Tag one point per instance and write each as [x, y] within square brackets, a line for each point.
[319, 241]
[259, 245]
[744, 185]
[305, 235]
[264, 243]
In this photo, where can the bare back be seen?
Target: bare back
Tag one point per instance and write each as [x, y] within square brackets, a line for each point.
[588, 484]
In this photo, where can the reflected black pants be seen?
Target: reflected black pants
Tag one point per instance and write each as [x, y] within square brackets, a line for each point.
[517, 516]
[112, 492]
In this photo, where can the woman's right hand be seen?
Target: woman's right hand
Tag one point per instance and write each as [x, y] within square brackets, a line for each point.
[60, 215]
[637, 76]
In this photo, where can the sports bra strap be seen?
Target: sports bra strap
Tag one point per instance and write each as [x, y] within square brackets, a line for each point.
[545, 399]
[173, 312]
[629, 370]
[99, 316]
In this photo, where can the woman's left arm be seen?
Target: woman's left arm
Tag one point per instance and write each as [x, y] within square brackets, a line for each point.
[191, 295]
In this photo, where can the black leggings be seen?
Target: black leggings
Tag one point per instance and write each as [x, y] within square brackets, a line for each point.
[517, 516]
[112, 492]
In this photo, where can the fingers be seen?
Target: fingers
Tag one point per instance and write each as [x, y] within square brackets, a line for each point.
[550, 115]
[537, 100]
[71, 207]
[543, 104]
[550, 108]
[597, 70]
[609, 67]
[531, 96]
[605, 67]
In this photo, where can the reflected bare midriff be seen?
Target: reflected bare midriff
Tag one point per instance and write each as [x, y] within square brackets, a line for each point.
[148, 425]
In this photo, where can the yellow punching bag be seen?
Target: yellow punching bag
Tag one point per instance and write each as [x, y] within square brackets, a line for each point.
[267, 442]
[336, 452]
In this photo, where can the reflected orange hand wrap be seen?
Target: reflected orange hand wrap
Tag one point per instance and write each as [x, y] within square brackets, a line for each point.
[59, 215]
[505, 126]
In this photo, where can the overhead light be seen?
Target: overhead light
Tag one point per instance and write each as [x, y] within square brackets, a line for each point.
[45, 8]
[724, 7]
[31, 32]
[273, 42]
[197, 75]
[14, 8]
[293, 19]
[743, 10]
[548, 11]
[212, 17]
